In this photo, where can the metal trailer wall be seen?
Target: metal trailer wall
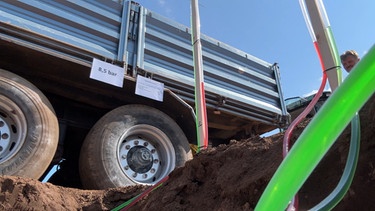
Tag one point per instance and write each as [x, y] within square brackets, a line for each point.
[237, 83]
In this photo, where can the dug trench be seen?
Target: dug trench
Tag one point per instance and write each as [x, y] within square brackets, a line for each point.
[227, 177]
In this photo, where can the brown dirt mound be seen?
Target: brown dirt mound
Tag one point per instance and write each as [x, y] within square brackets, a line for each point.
[228, 177]
[17, 193]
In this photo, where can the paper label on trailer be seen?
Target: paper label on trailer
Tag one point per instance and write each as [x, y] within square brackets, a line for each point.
[149, 88]
[107, 73]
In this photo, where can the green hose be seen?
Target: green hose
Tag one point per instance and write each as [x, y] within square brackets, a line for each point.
[320, 135]
[343, 186]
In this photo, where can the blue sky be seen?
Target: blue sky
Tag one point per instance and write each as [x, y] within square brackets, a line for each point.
[275, 31]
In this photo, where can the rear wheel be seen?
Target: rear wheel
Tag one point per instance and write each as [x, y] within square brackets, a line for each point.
[131, 145]
[28, 128]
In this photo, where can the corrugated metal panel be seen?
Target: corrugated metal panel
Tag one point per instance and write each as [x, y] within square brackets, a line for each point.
[236, 82]
[248, 84]
[93, 26]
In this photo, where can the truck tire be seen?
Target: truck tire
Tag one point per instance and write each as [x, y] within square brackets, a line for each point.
[130, 145]
[28, 128]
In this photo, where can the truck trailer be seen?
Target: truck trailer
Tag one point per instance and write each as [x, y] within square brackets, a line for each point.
[105, 90]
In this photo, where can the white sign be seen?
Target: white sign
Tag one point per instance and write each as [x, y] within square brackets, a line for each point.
[107, 73]
[149, 88]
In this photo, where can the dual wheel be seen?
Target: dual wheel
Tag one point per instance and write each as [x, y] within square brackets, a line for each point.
[133, 144]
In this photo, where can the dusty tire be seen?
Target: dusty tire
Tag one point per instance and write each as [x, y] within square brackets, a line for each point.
[28, 128]
[132, 145]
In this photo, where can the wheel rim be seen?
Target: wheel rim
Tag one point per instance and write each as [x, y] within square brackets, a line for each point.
[13, 129]
[146, 155]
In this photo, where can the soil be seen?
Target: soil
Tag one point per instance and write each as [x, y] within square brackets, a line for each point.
[227, 177]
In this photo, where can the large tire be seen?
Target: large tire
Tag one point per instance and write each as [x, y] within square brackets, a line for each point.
[28, 128]
[130, 145]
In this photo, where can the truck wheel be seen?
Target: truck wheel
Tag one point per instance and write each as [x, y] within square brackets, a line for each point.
[28, 128]
[130, 145]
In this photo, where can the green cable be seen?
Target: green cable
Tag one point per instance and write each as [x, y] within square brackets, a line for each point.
[125, 203]
[320, 135]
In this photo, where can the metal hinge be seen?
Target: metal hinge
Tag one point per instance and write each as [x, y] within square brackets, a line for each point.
[133, 23]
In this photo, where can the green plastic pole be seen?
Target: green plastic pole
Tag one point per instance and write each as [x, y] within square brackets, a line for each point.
[320, 135]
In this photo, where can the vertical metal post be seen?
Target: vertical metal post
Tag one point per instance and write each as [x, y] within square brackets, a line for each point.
[200, 101]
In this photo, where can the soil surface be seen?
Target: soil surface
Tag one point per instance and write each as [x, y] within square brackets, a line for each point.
[227, 177]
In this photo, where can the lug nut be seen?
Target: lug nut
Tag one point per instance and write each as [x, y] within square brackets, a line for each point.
[4, 136]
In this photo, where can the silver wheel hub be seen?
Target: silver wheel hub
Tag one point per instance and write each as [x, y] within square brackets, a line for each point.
[13, 129]
[139, 159]
[4, 137]
[145, 154]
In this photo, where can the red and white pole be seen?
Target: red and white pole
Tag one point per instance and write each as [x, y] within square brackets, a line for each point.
[200, 100]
